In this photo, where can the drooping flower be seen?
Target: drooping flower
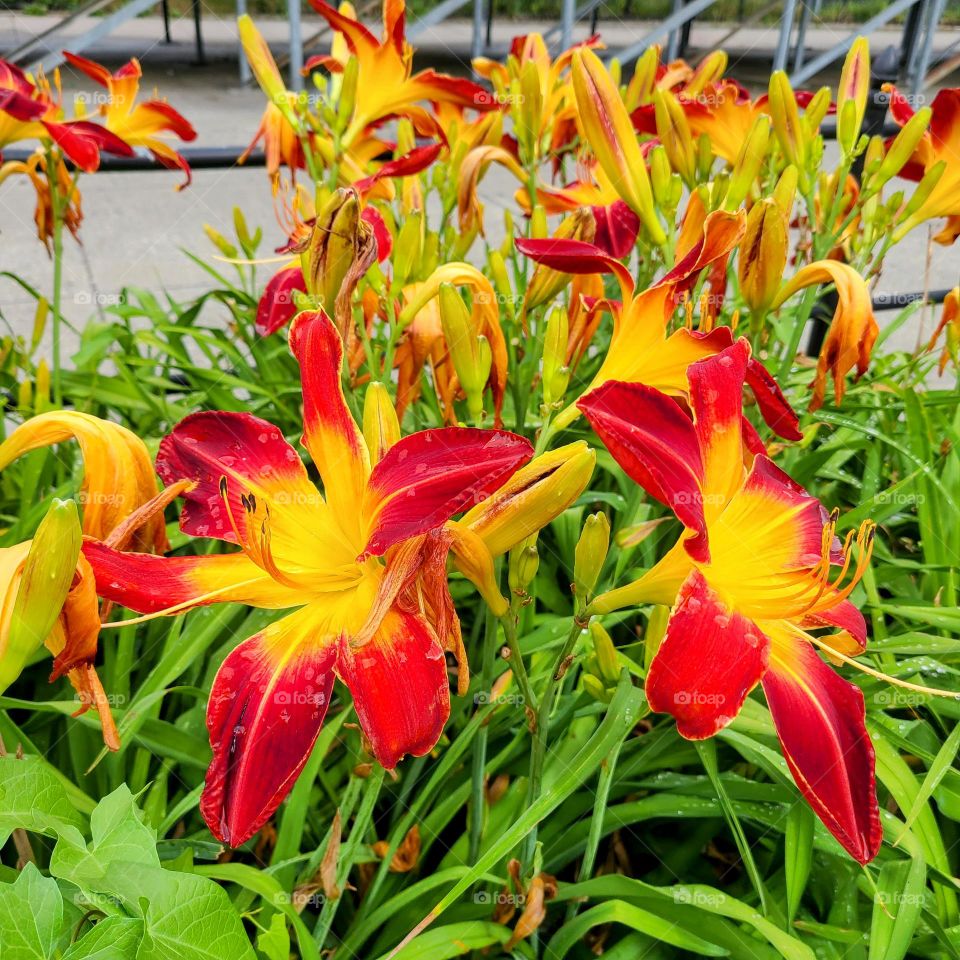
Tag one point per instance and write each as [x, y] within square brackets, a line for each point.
[363, 565]
[641, 349]
[853, 330]
[120, 506]
[758, 568]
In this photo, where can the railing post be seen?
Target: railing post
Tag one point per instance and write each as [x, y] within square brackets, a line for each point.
[245, 75]
[568, 14]
[296, 45]
[783, 41]
[476, 43]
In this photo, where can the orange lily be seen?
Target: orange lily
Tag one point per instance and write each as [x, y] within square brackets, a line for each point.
[142, 124]
[641, 349]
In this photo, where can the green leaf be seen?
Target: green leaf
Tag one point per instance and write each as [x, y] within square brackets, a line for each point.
[275, 940]
[32, 797]
[798, 854]
[31, 916]
[454, 940]
[938, 770]
[896, 908]
[191, 918]
[115, 938]
[644, 921]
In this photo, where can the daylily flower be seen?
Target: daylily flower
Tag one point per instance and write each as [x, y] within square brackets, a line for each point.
[641, 350]
[30, 111]
[750, 578]
[120, 506]
[142, 124]
[940, 144]
[363, 565]
[853, 330]
[725, 113]
[385, 85]
[35, 168]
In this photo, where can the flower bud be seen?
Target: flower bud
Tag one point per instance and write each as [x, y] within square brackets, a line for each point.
[39, 323]
[474, 560]
[42, 398]
[673, 132]
[408, 248]
[660, 177]
[530, 112]
[606, 126]
[220, 242]
[546, 282]
[523, 565]
[556, 372]
[340, 249]
[501, 282]
[381, 428]
[903, 146]
[790, 133]
[469, 351]
[785, 192]
[43, 578]
[749, 161]
[852, 93]
[644, 80]
[763, 256]
[347, 100]
[264, 67]
[538, 223]
[608, 661]
[590, 553]
[536, 494]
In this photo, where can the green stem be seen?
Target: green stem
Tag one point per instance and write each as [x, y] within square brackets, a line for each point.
[509, 621]
[478, 799]
[56, 216]
[538, 749]
[799, 325]
[348, 852]
[604, 782]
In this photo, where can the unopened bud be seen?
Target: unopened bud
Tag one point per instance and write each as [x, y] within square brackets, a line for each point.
[556, 372]
[608, 663]
[381, 428]
[523, 565]
[590, 554]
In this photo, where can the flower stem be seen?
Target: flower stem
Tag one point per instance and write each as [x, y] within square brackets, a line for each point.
[538, 749]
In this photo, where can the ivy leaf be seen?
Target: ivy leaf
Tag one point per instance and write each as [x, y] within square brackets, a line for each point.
[31, 916]
[115, 938]
[33, 798]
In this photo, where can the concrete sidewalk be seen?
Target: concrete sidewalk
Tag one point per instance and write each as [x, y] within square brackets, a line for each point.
[448, 42]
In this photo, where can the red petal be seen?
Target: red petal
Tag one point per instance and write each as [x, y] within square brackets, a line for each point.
[709, 661]
[774, 406]
[617, 229]
[277, 307]
[173, 120]
[399, 685]
[249, 452]
[574, 256]
[380, 232]
[20, 106]
[357, 36]
[79, 148]
[819, 718]
[147, 583]
[656, 444]
[427, 477]
[267, 705]
[418, 159]
[845, 616]
[716, 397]
[95, 71]
[442, 88]
[329, 432]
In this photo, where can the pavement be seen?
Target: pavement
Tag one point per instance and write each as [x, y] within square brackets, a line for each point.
[137, 226]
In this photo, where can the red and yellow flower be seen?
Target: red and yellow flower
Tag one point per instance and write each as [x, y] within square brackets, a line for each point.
[939, 145]
[363, 565]
[641, 348]
[758, 568]
[143, 124]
